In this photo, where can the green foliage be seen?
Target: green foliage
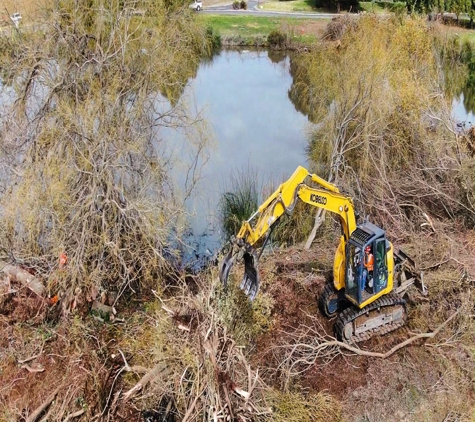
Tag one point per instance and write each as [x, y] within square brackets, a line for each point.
[240, 200]
[214, 38]
[337, 5]
[277, 40]
[295, 407]
[451, 6]
[239, 4]
[382, 6]
[291, 6]
[252, 30]
[243, 318]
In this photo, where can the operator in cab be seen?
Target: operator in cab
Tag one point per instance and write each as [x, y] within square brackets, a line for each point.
[368, 263]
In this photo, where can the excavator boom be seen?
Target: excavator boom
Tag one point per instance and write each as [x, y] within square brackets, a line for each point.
[283, 201]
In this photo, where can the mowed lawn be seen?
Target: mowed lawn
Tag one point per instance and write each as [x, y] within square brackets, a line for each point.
[252, 26]
[291, 6]
[248, 25]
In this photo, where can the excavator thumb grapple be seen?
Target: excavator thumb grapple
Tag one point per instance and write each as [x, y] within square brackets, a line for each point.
[250, 281]
[406, 274]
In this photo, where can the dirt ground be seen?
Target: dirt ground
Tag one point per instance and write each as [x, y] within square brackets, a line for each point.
[77, 358]
[414, 384]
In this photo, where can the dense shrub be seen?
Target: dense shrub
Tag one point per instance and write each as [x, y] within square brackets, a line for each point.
[91, 181]
[374, 135]
[213, 37]
[339, 26]
[239, 201]
[239, 4]
[377, 6]
[277, 39]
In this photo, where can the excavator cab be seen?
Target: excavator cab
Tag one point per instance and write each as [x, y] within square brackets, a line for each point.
[367, 264]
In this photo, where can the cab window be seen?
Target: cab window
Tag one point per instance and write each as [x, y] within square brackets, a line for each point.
[381, 267]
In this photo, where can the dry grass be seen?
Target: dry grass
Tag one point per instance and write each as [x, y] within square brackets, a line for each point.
[28, 9]
[200, 333]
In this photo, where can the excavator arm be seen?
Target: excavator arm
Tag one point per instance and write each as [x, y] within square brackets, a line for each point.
[283, 201]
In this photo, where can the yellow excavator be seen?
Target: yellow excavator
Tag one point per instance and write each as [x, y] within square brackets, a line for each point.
[369, 277]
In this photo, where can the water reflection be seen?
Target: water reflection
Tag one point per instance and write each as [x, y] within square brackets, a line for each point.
[465, 102]
[463, 109]
[244, 96]
[459, 76]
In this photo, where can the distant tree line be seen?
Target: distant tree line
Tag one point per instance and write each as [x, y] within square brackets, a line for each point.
[457, 7]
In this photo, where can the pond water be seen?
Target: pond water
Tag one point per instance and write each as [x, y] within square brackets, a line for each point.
[244, 96]
[461, 111]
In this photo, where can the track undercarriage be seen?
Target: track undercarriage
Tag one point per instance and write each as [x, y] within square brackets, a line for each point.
[386, 314]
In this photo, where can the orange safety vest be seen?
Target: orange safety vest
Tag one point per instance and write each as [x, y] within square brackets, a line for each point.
[368, 261]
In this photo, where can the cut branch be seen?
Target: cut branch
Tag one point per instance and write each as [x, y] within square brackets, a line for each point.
[25, 278]
[42, 407]
[148, 377]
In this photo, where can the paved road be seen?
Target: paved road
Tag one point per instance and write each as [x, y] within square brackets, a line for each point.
[252, 9]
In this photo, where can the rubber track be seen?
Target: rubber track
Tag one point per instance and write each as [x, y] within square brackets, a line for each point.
[350, 314]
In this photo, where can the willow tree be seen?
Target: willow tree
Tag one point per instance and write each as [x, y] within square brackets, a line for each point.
[383, 127]
[87, 168]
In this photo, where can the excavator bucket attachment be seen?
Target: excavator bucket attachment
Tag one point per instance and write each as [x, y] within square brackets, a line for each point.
[225, 267]
[250, 282]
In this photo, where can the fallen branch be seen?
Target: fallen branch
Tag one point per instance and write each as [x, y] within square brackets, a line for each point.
[74, 415]
[436, 265]
[135, 368]
[25, 278]
[126, 368]
[148, 377]
[319, 219]
[189, 411]
[391, 351]
[32, 369]
[29, 359]
[42, 407]
[302, 356]
[429, 222]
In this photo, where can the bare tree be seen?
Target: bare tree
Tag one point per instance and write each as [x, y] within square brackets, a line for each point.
[384, 132]
[84, 146]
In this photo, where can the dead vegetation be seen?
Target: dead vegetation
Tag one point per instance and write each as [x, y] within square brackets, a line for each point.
[175, 347]
[382, 126]
[85, 168]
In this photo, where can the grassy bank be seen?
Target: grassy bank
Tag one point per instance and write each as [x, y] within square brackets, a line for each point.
[290, 6]
[253, 30]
